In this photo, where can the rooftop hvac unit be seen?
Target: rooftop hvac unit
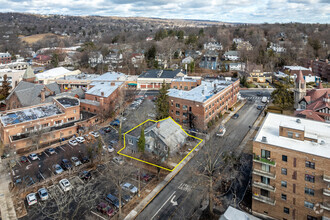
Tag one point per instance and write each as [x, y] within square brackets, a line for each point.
[298, 120]
[264, 139]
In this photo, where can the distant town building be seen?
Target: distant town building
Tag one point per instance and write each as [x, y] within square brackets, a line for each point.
[244, 45]
[187, 60]
[186, 82]
[255, 74]
[153, 79]
[13, 76]
[236, 66]
[212, 46]
[237, 40]
[95, 59]
[291, 175]
[293, 72]
[5, 58]
[137, 59]
[195, 108]
[210, 60]
[276, 48]
[231, 55]
[320, 68]
[41, 60]
[53, 74]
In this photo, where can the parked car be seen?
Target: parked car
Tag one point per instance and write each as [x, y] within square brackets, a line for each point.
[94, 134]
[65, 185]
[33, 156]
[107, 129]
[113, 200]
[118, 160]
[146, 177]
[80, 140]
[58, 169]
[73, 142]
[108, 148]
[105, 209]
[66, 164]
[129, 187]
[24, 159]
[222, 131]
[76, 162]
[115, 122]
[31, 199]
[43, 194]
[84, 159]
[259, 107]
[50, 151]
[235, 116]
[126, 198]
[264, 99]
[85, 175]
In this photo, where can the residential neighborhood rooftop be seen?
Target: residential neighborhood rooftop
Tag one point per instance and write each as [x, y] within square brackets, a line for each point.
[203, 92]
[30, 114]
[161, 73]
[312, 129]
[110, 76]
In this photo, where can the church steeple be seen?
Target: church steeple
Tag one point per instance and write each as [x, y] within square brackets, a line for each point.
[299, 90]
[29, 75]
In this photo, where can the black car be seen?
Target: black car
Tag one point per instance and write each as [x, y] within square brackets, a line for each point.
[235, 116]
[259, 94]
[85, 175]
[85, 159]
[259, 107]
[66, 164]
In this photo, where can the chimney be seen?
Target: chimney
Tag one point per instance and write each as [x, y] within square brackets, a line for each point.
[158, 125]
[42, 95]
[102, 93]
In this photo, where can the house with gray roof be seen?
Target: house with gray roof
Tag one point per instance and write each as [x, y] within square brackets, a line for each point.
[231, 55]
[153, 79]
[161, 138]
[28, 94]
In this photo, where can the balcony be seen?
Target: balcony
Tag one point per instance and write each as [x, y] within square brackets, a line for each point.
[326, 192]
[264, 173]
[266, 161]
[264, 199]
[325, 205]
[264, 186]
[326, 178]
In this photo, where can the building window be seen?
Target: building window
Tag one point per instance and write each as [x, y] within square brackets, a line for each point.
[265, 154]
[186, 88]
[264, 192]
[297, 135]
[284, 171]
[309, 205]
[177, 105]
[284, 158]
[286, 210]
[58, 122]
[310, 178]
[209, 106]
[171, 103]
[45, 125]
[177, 120]
[71, 119]
[283, 183]
[309, 191]
[290, 134]
[283, 196]
[184, 114]
[184, 107]
[130, 141]
[310, 164]
[74, 111]
[84, 108]
[265, 168]
[177, 113]
[311, 217]
[265, 180]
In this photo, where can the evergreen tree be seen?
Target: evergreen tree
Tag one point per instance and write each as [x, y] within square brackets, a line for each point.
[5, 87]
[142, 141]
[162, 102]
[282, 96]
[55, 60]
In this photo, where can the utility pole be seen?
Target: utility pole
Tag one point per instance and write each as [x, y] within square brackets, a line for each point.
[139, 182]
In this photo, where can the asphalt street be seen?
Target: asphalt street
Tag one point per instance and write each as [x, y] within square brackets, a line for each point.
[183, 195]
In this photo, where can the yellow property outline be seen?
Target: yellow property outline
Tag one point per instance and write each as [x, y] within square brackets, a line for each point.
[201, 140]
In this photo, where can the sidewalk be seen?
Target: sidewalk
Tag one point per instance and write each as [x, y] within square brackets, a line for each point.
[6, 202]
[139, 208]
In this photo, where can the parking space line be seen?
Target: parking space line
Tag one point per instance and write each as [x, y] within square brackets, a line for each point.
[98, 215]
[28, 159]
[19, 163]
[80, 179]
[59, 189]
[62, 148]
[42, 176]
[46, 154]
[70, 146]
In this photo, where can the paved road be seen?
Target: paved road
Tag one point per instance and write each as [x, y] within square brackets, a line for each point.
[181, 198]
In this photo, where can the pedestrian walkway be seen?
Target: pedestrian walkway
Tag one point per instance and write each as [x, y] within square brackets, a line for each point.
[6, 203]
[253, 97]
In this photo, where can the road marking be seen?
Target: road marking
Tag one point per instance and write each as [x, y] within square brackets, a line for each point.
[28, 166]
[46, 154]
[19, 163]
[184, 187]
[174, 203]
[42, 176]
[28, 159]
[60, 189]
[70, 146]
[163, 205]
[62, 148]
[98, 215]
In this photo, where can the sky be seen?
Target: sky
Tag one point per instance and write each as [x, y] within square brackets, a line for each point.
[243, 11]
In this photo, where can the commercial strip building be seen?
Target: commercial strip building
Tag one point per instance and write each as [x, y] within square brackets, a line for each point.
[291, 175]
[53, 74]
[197, 107]
[40, 124]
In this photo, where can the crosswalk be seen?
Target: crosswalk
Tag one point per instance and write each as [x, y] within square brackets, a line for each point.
[253, 97]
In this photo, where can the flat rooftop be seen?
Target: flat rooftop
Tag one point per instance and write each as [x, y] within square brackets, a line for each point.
[295, 68]
[314, 129]
[80, 77]
[185, 79]
[68, 102]
[48, 74]
[30, 114]
[110, 76]
[209, 88]
[104, 88]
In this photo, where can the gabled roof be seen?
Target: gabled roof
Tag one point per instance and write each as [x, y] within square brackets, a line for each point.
[300, 78]
[232, 53]
[169, 74]
[28, 74]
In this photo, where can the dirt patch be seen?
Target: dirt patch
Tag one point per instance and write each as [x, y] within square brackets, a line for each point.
[36, 37]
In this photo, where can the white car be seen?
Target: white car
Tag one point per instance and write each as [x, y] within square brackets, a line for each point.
[222, 131]
[80, 140]
[65, 185]
[76, 161]
[33, 157]
[129, 187]
[94, 134]
[58, 169]
[31, 198]
[73, 143]
[43, 194]
[108, 148]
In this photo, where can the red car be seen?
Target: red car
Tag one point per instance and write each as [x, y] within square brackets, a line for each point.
[24, 159]
[105, 209]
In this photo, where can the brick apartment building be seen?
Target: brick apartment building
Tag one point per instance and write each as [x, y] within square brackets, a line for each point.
[195, 108]
[321, 68]
[5, 58]
[291, 175]
[185, 83]
[49, 121]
